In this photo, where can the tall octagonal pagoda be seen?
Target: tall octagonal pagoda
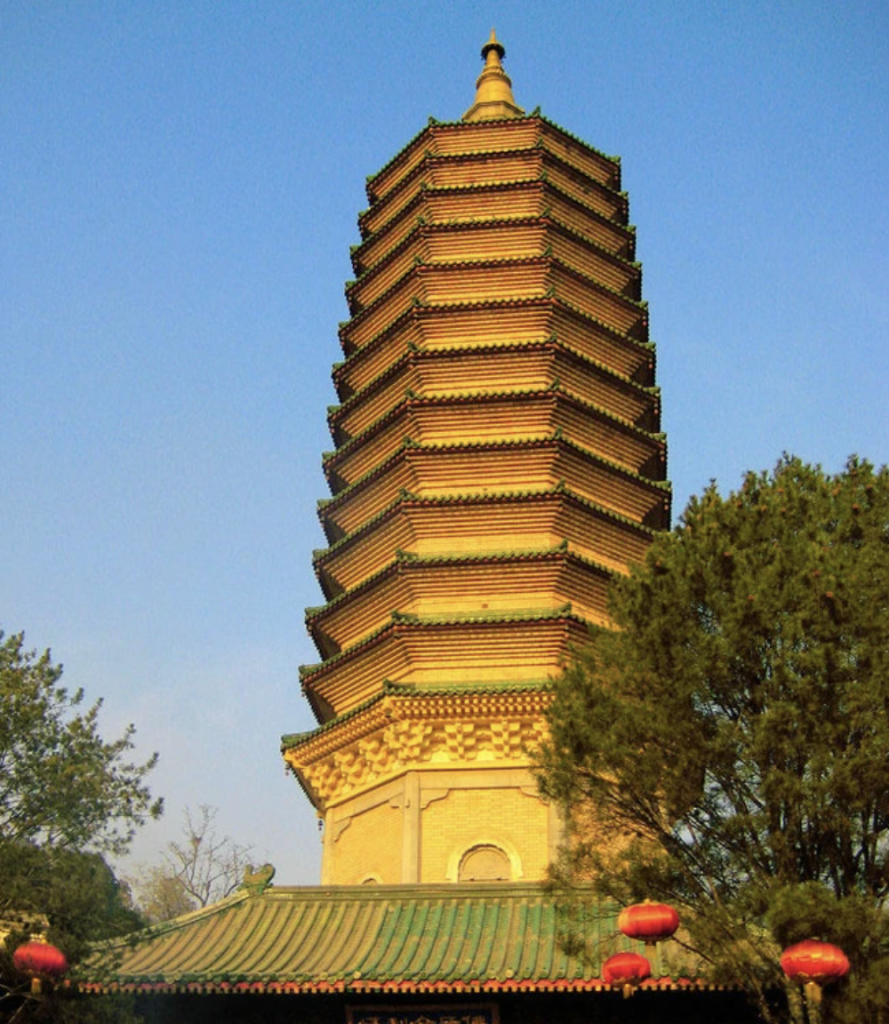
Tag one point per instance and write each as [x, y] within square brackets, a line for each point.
[498, 457]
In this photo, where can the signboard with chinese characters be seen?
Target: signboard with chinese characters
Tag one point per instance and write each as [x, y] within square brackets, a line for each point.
[478, 1013]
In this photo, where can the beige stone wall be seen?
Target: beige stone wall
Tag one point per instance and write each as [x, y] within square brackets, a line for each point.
[418, 827]
[366, 845]
[507, 818]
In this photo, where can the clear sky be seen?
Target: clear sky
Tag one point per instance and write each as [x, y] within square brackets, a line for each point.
[179, 186]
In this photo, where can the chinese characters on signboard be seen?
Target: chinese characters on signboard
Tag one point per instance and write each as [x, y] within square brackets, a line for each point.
[478, 1014]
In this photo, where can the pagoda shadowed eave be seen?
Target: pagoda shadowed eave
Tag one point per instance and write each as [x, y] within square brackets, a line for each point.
[473, 241]
[482, 523]
[449, 136]
[469, 325]
[534, 364]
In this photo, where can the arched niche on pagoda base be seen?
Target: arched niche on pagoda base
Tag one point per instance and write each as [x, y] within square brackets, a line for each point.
[422, 827]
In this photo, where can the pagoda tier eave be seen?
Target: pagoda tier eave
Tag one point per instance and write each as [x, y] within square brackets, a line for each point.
[480, 731]
[442, 137]
[555, 516]
[448, 371]
[424, 652]
[464, 584]
[450, 420]
[500, 280]
[435, 241]
[436, 137]
[435, 471]
[500, 167]
[420, 327]
[505, 202]
[416, 702]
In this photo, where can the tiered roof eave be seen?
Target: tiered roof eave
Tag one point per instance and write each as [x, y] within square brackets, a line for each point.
[645, 394]
[535, 116]
[487, 501]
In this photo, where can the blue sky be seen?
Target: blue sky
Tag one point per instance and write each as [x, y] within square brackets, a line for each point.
[179, 186]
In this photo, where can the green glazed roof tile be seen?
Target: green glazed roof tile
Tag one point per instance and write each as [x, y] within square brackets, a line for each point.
[360, 938]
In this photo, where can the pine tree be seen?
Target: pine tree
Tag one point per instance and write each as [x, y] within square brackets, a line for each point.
[726, 746]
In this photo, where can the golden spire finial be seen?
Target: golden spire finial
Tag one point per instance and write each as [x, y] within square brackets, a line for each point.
[493, 44]
[493, 89]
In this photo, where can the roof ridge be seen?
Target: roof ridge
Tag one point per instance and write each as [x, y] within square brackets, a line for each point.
[601, 250]
[576, 138]
[641, 304]
[375, 383]
[608, 327]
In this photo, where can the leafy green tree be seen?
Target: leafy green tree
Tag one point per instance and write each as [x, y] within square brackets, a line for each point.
[726, 746]
[61, 784]
[67, 798]
[77, 893]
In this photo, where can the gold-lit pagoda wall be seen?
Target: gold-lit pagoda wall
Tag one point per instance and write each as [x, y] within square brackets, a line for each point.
[497, 458]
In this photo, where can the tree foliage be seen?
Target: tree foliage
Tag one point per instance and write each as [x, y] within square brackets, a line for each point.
[67, 799]
[61, 784]
[73, 899]
[726, 746]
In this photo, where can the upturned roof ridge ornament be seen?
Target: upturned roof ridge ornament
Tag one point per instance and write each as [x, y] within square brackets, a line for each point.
[256, 882]
[493, 88]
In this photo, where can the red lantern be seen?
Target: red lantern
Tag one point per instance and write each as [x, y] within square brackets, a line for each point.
[40, 960]
[648, 921]
[815, 961]
[626, 970]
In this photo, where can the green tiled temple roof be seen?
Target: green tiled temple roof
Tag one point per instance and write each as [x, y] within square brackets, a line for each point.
[480, 937]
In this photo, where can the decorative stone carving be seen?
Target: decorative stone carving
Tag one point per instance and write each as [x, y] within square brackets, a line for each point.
[404, 744]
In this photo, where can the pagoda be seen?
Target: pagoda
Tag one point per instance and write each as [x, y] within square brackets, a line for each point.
[497, 459]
